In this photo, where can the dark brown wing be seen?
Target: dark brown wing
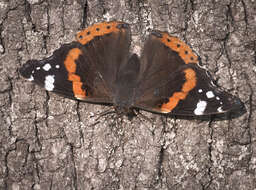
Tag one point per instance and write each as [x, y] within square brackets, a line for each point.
[171, 81]
[84, 69]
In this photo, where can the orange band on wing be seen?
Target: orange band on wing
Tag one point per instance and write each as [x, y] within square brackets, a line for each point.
[72, 56]
[73, 77]
[78, 90]
[190, 83]
[179, 46]
[99, 29]
[70, 64]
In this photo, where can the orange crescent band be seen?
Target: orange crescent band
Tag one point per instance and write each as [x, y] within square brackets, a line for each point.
[70, 64]
[190, 83]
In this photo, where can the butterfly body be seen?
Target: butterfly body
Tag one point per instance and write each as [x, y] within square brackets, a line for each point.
[99, 68]
[126, 85]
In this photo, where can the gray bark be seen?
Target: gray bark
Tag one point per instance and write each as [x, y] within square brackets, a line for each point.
[49, 142]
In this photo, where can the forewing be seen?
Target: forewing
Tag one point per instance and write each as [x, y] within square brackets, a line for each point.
[84, 69]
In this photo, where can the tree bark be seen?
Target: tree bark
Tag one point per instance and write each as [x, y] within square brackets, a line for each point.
[49, 142]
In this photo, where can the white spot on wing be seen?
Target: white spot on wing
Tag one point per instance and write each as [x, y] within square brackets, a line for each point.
[220, 109]
[48, 83]
[47, 67]
[200, 107]
[200, 90]
[31, 78]
[217, 98]
[57, 66]
[210, 94]
[212, 83]
[38, 68]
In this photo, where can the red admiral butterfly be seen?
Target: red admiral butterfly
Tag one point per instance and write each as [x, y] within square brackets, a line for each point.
[98, 68]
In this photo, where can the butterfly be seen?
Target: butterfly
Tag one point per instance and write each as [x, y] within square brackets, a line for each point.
[99, 68]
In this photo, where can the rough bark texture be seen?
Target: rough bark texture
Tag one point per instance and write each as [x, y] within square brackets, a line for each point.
[49, 142]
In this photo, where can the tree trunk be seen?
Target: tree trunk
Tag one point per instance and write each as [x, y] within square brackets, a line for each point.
[50, 142]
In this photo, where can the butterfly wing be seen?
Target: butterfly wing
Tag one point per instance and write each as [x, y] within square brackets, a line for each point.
[170, 81]
[84, 69]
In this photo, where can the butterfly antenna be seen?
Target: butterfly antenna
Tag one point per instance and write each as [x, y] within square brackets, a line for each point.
[105, 113]
[141, 116]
